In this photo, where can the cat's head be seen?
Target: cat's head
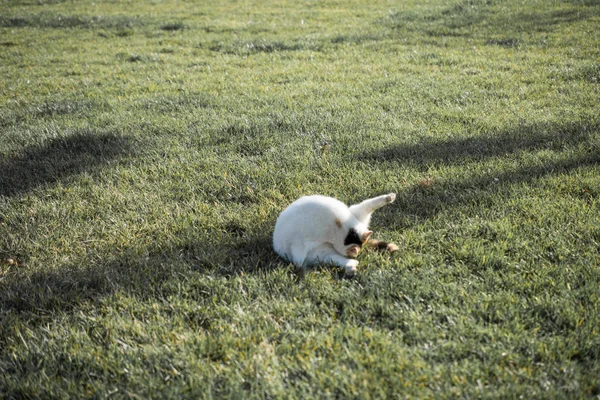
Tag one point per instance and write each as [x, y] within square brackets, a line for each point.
[354, 241]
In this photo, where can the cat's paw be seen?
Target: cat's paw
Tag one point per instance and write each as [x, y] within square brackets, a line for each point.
[350, 267]
[391, 197]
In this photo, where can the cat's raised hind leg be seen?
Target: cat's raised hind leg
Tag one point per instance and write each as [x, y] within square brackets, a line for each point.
[362, 211]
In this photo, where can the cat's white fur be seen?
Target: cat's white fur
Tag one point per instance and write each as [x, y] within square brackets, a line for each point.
[313, 229]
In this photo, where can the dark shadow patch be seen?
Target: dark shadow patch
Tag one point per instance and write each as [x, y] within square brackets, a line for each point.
[583, 2]
[40, 2]
[508, 43]
[234, 195]
[263, 46]
[174, 26]
[481, 18]
[249, 139]
[219, 30]
[253, 253]
[60, 21]
[235, 228]
[352, 39]
[451, 21]
[57, 159]
[586, 72]
[124, 32]
[480, 189]
[43, 292]
[432, 151]
[135, 58]
[242, 249]
[243, 255]
[577, 141]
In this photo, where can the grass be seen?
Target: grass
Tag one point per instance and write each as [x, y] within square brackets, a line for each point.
[147, 148]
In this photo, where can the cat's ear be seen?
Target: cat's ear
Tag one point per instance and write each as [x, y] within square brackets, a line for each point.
[366, 235]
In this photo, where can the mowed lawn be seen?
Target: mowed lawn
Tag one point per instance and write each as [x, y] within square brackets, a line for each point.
[147, 148]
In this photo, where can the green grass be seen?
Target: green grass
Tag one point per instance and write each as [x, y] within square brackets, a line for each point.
[147, 148]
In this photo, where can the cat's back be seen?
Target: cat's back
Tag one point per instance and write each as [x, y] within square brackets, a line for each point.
[308, 218]
[314, 207]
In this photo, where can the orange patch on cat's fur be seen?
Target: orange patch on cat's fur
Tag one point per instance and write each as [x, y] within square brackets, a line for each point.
[338, 223]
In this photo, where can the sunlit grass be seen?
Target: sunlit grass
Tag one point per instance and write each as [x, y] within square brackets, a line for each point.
[146, 149]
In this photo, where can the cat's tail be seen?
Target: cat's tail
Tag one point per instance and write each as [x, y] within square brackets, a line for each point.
[382, 246]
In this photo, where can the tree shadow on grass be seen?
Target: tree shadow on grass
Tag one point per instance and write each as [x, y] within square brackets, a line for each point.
[154, 272]
[144, 271]
[525, 137]
[58, 159]
[44, 292]
[483, 18]
[429, 198]
[244, 255]
[54, 161]
[568, 145]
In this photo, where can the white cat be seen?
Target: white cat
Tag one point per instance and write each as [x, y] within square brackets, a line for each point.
[318, 229]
